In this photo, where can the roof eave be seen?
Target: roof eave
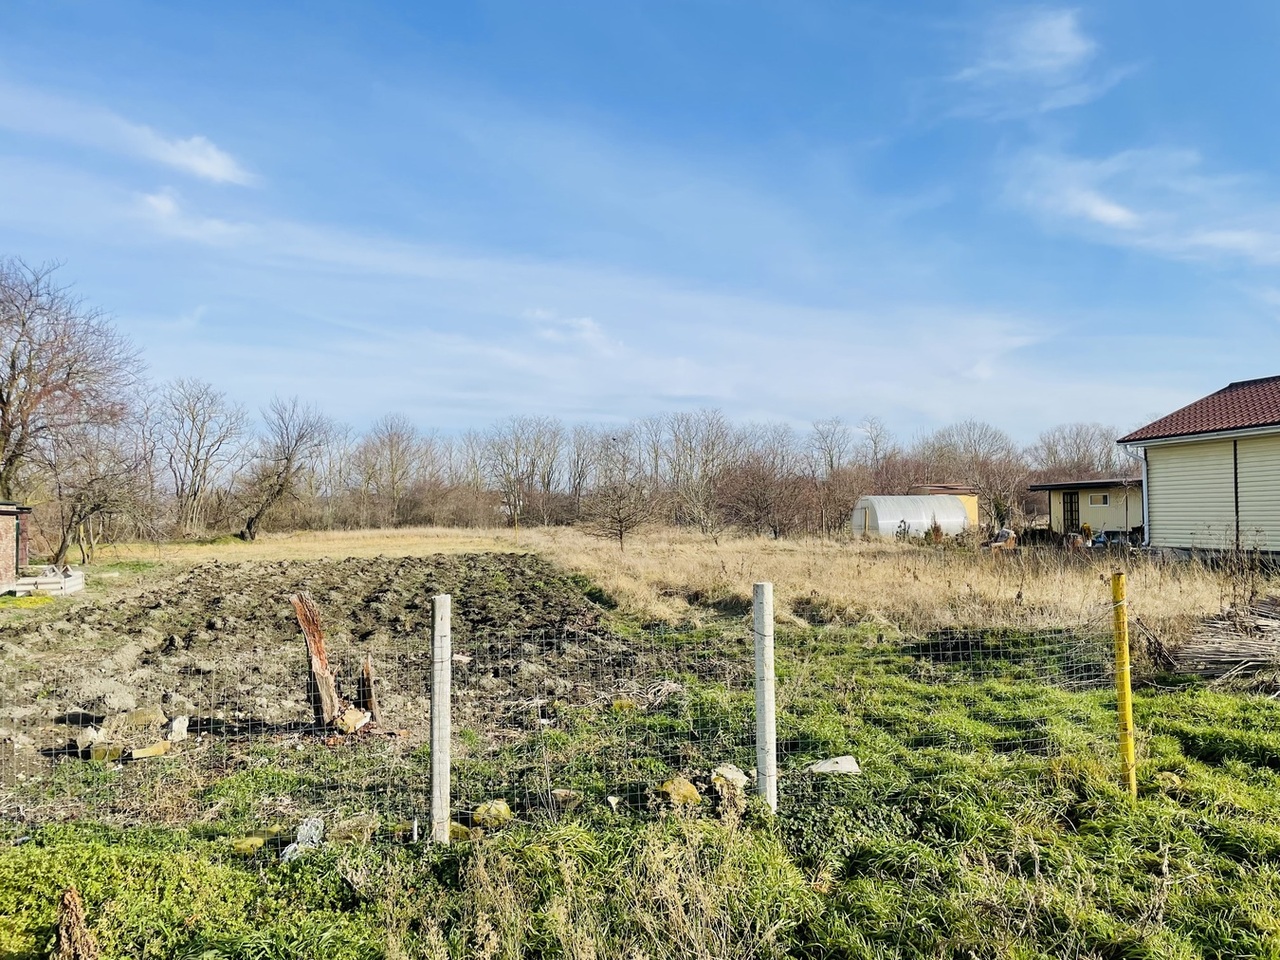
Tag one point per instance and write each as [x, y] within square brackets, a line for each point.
[1228, 434]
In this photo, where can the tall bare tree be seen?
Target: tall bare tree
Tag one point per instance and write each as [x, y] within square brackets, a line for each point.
[63, 366]
[702, 446]
[294, 437]
[200, 436]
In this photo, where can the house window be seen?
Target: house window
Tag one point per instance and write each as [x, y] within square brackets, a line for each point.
[1099, 499]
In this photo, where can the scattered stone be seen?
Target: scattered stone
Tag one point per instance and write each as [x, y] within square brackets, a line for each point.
[492, 814]
[141, 719]
[87, 737]
[458, 833]
[680, 792]
[178, 729]
[845, 764]
[105, 752]
[155, 750]
[566, 799]
[353, 719]
[730, 775]
[357, 829]
[247, 846]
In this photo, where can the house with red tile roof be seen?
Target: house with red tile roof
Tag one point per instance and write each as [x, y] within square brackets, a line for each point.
[1211, 471]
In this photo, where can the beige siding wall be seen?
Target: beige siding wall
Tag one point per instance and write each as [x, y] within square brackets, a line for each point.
[1191, 494]
[1259, 466]
[1110, 517]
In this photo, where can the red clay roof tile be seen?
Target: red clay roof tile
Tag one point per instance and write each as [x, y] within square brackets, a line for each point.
[1237, 406]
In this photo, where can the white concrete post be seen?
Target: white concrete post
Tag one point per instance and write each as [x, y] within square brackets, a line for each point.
[441, 701]
[766, 719]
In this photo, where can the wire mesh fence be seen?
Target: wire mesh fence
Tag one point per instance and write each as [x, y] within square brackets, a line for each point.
[548, 722]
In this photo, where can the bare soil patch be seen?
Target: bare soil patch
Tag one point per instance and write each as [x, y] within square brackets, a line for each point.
[220, 644]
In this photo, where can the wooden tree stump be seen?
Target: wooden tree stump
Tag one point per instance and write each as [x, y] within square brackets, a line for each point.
[367, 695]
[322, 689]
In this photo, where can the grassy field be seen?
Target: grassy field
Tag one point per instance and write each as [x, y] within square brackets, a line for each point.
[988, 820]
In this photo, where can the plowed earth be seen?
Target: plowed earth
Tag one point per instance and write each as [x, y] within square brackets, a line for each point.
[221, 642]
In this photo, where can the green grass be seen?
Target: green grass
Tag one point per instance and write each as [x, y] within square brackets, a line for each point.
[989, 821]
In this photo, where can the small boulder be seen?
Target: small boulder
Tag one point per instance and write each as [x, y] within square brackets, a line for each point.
[680, 792]
[845, 765]
[492, 814]
[178, 729]
[729, 775]
[357, 829]
[566, 799]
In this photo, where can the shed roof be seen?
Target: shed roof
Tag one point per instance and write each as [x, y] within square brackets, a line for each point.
[1089, 484]
[1237, 406]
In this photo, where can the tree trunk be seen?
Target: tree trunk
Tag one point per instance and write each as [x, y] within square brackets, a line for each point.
[322, 687]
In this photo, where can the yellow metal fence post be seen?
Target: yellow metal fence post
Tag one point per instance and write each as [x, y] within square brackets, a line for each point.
[1124, 689]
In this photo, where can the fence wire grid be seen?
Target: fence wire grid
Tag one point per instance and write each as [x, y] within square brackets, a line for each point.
[552, 723]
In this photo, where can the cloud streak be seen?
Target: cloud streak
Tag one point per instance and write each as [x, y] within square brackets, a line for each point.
[1033, 61]
[38, 114]
[1160, 200]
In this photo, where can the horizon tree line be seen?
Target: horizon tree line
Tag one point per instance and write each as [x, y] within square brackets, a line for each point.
[104, 455]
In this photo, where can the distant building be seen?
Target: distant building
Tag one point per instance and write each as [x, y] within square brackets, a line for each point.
[1212, 470]
[911, 516]
[1113, 506]
[14, 540]
[968, 496]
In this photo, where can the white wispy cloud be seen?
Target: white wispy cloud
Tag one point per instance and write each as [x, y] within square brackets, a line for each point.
[1160, 199]
[1047, 44]
[164, 210]
[1034, 61]
[36, 113]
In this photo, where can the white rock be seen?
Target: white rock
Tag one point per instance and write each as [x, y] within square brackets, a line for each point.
[178, 729]
[845, 764]
[728, 773]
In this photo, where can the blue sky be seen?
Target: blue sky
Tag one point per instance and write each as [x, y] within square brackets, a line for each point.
[789, 209]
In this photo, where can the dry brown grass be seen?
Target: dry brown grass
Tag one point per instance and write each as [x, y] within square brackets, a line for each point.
[677, 576]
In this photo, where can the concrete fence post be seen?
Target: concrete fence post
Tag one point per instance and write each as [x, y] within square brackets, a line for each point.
[766, 717]
[441, 703]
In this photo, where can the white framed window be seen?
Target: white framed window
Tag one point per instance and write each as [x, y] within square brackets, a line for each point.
[1099, 499]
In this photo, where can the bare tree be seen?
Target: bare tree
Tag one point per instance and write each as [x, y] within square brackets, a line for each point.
[200, 436]
[579, 463]
[1078, 451]
[389, 461]
[837, 485]
[63, 366]
[546, 439]
[765, 491]
[93, 472]
[983, 456]
[702, 447]
[622, 500]
[294, 437]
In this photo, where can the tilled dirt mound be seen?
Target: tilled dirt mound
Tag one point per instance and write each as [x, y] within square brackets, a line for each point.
[222, 641]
